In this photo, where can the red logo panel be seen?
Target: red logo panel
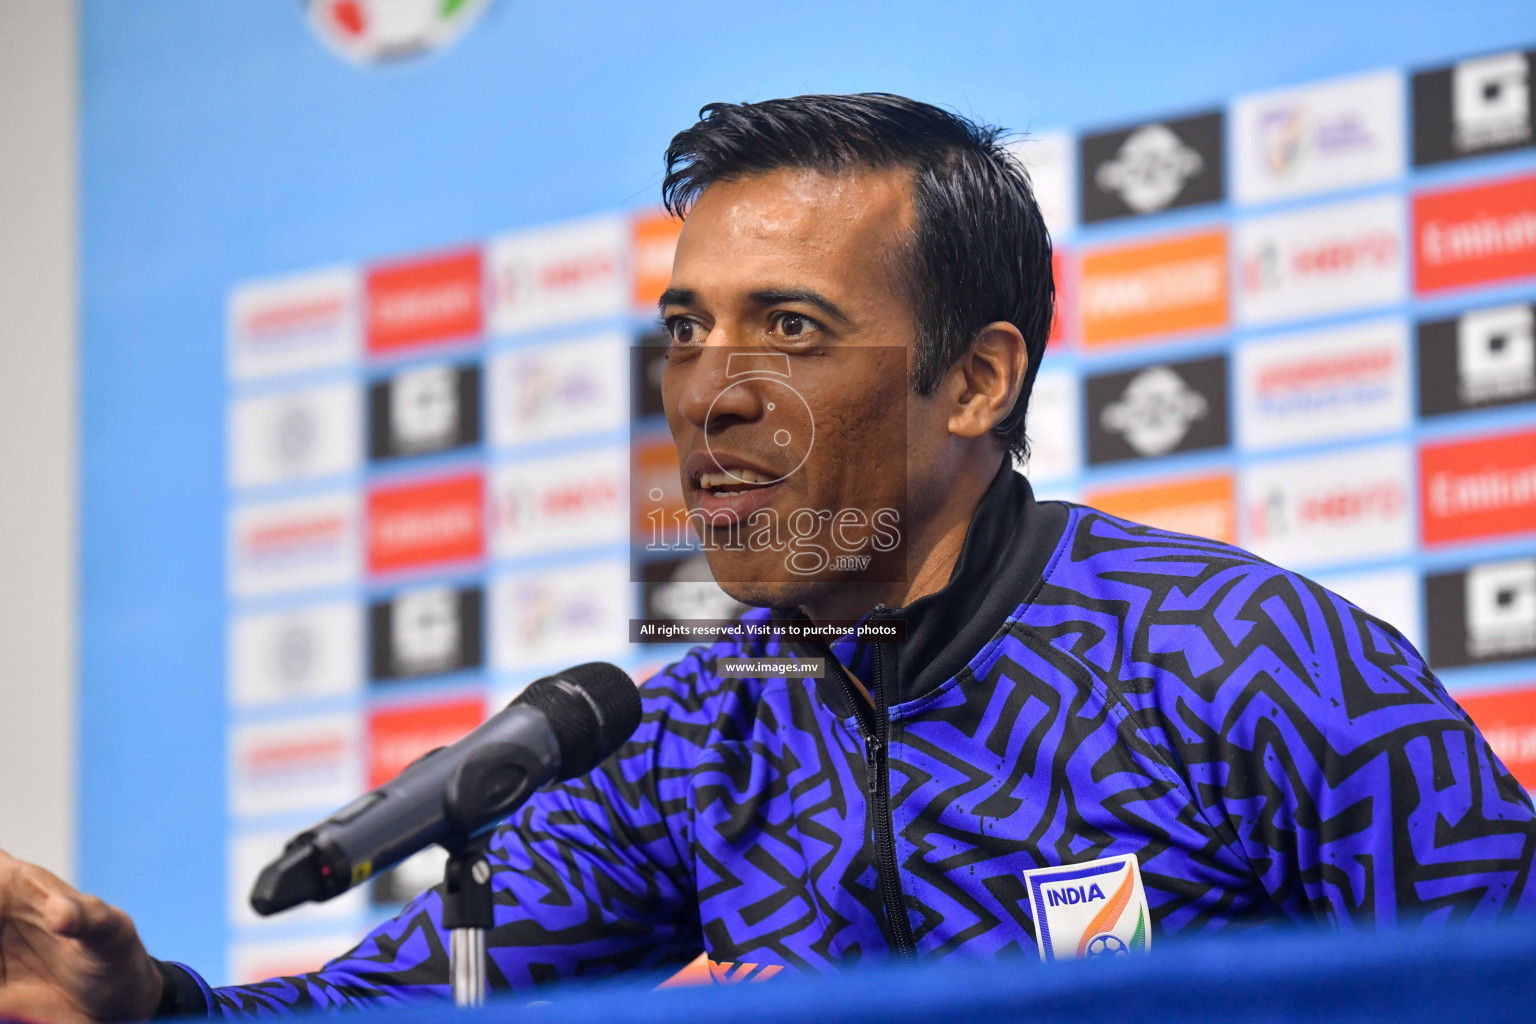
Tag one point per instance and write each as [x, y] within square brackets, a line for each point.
[399, 735]
[1059, 320]
[1508, 721]
[424, 302]
[421, 524]
[1475, 235]
[1485, 487]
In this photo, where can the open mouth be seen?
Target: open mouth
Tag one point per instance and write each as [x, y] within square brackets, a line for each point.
[732, 483]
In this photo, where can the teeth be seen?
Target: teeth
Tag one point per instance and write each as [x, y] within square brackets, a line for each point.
[735, 478]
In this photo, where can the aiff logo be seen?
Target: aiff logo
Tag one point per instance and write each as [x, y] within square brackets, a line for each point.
[1090, 910]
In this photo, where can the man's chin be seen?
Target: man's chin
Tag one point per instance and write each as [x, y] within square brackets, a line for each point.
[776, 594]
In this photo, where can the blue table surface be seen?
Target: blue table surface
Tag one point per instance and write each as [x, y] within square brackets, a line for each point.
[1480, 973]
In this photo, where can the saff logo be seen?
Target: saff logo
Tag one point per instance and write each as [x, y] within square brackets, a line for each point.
[372, 31]
[1090, 910]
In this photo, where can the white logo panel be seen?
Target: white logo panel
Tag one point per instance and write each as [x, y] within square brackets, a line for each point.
[1335, 135]
[1392, 595]
[563, 389]
[296, 654]
[288, 324]
[1321, 385]
[1342, 507]
[568, 501]
[559, 275]
[1050, 159]
[294, 545]
[294, 765]
[1327, 259]
[1054, 426]
[297, 435]
[572, 614]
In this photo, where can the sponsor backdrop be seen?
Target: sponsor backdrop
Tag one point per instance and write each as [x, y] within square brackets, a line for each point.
[364, 403]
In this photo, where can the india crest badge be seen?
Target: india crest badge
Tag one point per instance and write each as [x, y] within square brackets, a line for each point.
[1098, 908]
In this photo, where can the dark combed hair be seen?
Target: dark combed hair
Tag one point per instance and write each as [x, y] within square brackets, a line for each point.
[980, 252]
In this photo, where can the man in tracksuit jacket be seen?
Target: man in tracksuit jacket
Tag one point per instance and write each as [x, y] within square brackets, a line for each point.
[1226, 743]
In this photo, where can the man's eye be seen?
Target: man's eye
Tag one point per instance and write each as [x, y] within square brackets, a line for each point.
[793, 325]
[685, 331]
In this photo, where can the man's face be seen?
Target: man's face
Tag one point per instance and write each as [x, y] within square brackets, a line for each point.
[786, 380]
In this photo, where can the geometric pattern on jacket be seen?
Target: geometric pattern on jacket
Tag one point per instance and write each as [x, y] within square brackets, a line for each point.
[1268, 751]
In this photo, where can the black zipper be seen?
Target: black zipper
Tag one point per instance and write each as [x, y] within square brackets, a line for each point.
[877, 765]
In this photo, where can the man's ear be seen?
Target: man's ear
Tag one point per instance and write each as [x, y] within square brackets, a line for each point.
[984, 383]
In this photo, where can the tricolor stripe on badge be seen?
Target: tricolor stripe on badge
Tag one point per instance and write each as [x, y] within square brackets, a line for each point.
[1098, 908]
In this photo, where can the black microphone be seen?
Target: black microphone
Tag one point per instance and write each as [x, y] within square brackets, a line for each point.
[559, 727]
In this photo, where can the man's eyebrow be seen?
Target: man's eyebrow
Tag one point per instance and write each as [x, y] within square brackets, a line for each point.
[676, 297]
[775, 296]
[761, 297]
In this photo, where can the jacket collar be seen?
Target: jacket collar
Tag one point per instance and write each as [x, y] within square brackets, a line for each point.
[1002, 561]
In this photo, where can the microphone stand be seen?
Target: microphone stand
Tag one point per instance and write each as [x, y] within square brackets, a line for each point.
[468, 915]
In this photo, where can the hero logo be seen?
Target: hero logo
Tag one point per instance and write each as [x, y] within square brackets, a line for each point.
[1331, 257]
[1329, 509]
[572, 501]
[1150, 170]
[1155, 411]
[559, 275]
[1501, 609]
[1326, 260]
[1490, 102]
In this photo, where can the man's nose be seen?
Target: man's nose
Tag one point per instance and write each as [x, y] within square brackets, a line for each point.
[712, 398]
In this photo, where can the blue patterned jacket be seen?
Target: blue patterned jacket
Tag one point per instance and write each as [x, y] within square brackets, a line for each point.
[1084, 687]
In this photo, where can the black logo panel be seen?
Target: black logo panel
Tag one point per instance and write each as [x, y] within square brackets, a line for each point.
[1482, 615]
[1157, 410]
[682, 588]
[1481, 359]
[424, 410]
[426, 631]
[648, 363]
[1152, 167]
[1475, 106]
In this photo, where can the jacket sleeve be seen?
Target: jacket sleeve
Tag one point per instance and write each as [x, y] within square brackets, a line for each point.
[591, 877]
[1335, 762]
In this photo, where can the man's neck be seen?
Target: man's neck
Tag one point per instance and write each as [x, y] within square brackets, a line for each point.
[932, 553]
